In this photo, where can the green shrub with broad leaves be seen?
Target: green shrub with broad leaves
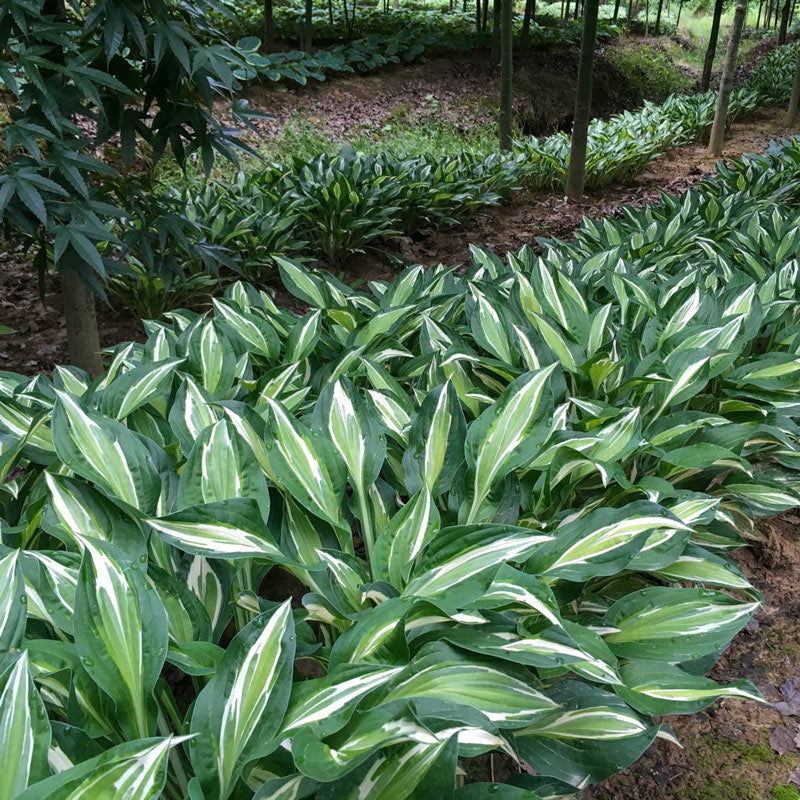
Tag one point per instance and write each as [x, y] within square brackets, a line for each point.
[490, 511]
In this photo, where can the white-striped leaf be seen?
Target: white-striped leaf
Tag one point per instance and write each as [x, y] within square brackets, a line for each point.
[239, 712]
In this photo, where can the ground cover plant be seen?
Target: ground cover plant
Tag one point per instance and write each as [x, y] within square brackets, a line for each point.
[403, 36]
[332, 206]
[505, 499]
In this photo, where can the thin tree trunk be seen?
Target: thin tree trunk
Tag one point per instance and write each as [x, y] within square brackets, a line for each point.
[83, 341]
[576, 175]
[495, 31]
[506, 72]
[647, 18]
[658, 18]
[680, 8]
[525, 39]
[616, 10]
[308, 26]
[787, 7]
[791, 13]
[477, 16]
[485, 20]
[561, 16]
[768, 14]
[708, 64]
[794, 101]
[396, 5]
[575, 14]
[463, 6]
[758, 18]
[268, 33]
[726, 83]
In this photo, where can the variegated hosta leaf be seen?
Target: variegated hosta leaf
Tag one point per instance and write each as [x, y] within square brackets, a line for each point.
[657, 689]
[356, 434]
[435, 451]
[227, 529]
[24, 731]
[12, 603]
[591, 736]
[505, 435]
[405, 537]
[505, 697]
[238, 713]
[106, 452]
[606, 540]
[76, 507]
[666, 624]
[326, 704]
[136, 770]
[221, 466]
[137, 387]
[462, 560]
[120, 632]
[406, 772]
[306, 466]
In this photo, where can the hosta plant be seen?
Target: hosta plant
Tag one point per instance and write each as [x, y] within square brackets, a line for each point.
[338, 554]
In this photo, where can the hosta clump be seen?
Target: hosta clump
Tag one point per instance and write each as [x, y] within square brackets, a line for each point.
[490, 512]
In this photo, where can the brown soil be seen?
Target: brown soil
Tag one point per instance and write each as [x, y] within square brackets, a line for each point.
[541, 214]
[459, 90]
[737, 750]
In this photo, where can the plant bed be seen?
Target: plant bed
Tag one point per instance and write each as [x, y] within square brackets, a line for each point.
[509, 495]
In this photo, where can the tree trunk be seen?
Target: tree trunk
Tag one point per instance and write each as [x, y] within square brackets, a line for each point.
[575, 14]
[561, 16]
[525, 39]
[506, 73]
[647, 18]
[784, 22]
[708, 64]
[308, 26]
[576, 176]
[463, 6]
[680, 8]
[495, 31]
[726, 83]
[794, 102]
[477, 16]
[268, 31]
[658, 18]
[616, 10]
[758, 18]
[83, 342]
[485, 19]
[791, 13]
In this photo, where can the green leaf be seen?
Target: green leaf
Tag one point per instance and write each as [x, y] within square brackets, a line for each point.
[238, 713]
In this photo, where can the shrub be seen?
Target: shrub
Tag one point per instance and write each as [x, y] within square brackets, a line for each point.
[508, 496]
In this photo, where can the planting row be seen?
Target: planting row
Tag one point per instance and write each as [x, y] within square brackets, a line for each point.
[339, 554]
[331, 207]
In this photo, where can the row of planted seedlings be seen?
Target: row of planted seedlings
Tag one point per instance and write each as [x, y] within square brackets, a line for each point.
[333, 207]
[491, 511]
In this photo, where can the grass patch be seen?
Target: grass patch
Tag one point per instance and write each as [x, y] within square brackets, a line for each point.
[649, 71]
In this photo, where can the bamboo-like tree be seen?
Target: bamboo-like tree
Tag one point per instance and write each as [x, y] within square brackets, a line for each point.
[506, 72]
[711, 51]
[657, 29]
[794, 101]
[787, 6]
[616, 10]
[726, 83]
[680, 8]
[525, 38]
[308, 26]
[268, 29]
[576, 175]
[496, 30]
